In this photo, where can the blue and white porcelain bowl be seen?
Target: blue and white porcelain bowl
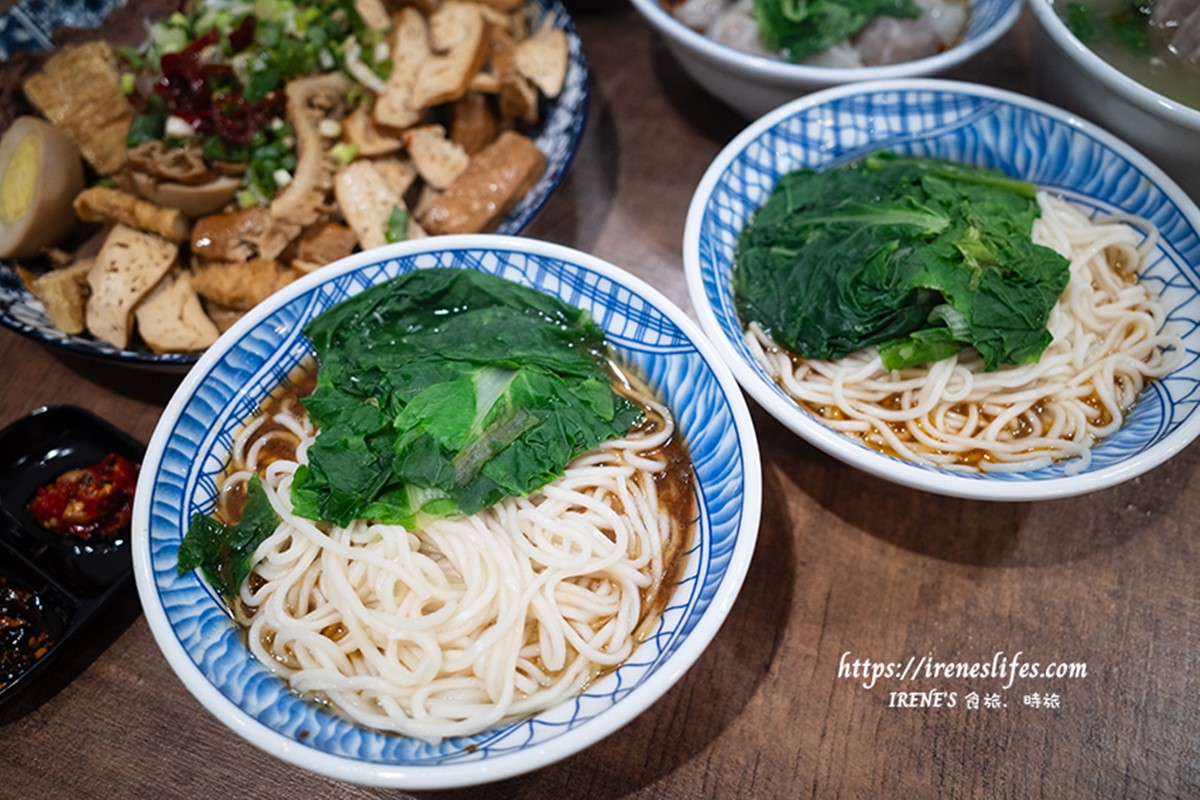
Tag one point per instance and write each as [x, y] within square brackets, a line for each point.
[190, 448]
[754, 84]
[1022, 137]
[27, 26]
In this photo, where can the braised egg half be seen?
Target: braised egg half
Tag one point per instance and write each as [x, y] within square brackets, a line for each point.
[40, 174]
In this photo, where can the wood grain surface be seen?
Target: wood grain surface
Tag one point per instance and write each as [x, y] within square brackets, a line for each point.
[845, 564]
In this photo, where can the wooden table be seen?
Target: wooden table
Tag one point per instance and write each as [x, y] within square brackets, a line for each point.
[847, 567]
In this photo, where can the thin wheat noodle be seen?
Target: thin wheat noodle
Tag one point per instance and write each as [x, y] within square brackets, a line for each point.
[1108, 342]
[472, 621]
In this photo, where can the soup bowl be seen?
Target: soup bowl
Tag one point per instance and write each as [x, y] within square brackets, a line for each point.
[1069, 73]
[1020, 136]
[754, 84]
[190, 449]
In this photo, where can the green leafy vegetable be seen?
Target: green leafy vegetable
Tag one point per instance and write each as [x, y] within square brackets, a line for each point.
[148, 125]
[798, 29]
[444, 391]
[217, 149]
[222, 552]
[1127, 26]
[919, 256]
[261, 84]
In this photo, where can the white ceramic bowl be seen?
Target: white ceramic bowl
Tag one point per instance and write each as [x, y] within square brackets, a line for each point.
[1022, 137]
[27, 28]
[1068, 73]
[190, 447]
[754, 85]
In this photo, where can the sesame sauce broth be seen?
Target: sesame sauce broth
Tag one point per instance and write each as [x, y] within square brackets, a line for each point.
[1021, 427]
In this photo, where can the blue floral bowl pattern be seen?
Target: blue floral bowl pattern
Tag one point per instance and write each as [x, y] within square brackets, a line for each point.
[978, 125]
[190, 448]
[28, 25]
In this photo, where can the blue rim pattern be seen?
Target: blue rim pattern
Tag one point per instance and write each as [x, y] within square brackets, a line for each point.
[985, 16]
[27, 26]
[1021, 139]
[184, 481]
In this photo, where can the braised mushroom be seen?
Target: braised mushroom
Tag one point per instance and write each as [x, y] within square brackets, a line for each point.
[193, 200]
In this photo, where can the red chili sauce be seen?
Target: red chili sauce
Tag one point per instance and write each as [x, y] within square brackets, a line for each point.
[92, 501]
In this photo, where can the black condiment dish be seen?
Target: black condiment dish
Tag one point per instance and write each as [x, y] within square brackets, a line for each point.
[75, 578]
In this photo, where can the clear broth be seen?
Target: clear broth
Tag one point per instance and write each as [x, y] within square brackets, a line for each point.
[1161, 70]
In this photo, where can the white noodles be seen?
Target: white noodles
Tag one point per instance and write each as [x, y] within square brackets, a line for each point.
[1108, 341]
[473, 621]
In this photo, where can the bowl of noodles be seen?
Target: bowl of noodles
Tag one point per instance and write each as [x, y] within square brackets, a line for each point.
[755, 66]
[1094, 388]
[561, 493]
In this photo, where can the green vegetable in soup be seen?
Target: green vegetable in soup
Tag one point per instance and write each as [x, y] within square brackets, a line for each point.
[222, 552]
[919, 256]
[1127, 26]
[798, 29]
[444, 391]
[1153, 42]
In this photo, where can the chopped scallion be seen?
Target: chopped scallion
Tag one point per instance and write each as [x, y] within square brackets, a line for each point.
[344, 152]
[396, 229]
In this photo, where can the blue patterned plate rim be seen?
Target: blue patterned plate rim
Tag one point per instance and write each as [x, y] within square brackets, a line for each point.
[1013, 487]
[561, 133]
[742, 529]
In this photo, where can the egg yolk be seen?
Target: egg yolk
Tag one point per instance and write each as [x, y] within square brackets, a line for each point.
[20, 179]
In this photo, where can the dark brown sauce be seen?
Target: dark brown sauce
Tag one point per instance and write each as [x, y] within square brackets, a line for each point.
[676, 491]
[286, 397]
[335, 632]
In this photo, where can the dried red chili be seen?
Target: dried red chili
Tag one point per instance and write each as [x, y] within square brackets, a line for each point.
[243, 35]
[190, 88]
[92, 501]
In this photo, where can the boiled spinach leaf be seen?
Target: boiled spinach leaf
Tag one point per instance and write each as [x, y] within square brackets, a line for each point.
[443, 391]
[1127, 26]
[798, 29]
[916, 255]
[222, 552]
